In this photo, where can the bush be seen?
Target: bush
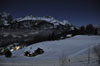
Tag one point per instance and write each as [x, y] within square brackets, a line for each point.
[1, 53]
[8, 53]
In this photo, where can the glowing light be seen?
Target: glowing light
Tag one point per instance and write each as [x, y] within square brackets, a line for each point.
[17, 47]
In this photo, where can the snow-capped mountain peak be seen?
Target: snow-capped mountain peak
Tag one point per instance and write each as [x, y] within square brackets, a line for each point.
[47, 19]
[4, 14]
[5, 18]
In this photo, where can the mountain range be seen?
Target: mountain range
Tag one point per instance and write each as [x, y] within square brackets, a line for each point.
[32, 22]
[31, 29]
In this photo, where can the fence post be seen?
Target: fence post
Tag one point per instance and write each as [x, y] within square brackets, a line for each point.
[89, 55]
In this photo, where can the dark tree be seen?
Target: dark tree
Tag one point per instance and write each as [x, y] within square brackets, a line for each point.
[82, 30]
[8, 53]
[90, 29]
[95, 31]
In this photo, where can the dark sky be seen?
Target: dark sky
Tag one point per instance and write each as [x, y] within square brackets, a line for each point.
[77, 12]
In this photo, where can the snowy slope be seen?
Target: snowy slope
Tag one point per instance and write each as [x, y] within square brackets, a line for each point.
[68, 46]
[54, 49]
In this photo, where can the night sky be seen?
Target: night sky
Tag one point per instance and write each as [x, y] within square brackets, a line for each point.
[77, 12]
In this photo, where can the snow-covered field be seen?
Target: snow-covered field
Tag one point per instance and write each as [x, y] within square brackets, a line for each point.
[74, 48]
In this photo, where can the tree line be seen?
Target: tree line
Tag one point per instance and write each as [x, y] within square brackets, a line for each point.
[88, 30]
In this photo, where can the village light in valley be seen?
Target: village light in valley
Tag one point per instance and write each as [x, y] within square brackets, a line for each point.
[17, 47]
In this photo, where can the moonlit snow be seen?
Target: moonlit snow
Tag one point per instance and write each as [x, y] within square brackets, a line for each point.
[71, 47]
